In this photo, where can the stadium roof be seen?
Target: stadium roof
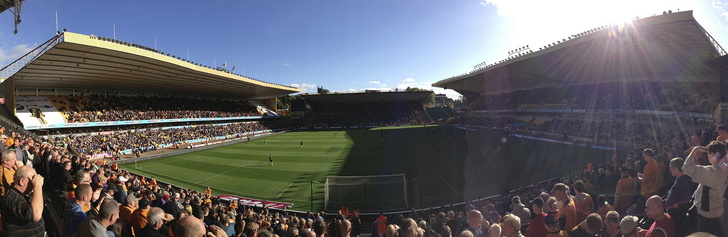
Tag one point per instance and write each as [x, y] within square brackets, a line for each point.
[669, 47]
[76, 61]
[367, 97]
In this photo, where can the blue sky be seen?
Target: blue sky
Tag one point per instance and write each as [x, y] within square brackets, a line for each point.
[342, 45]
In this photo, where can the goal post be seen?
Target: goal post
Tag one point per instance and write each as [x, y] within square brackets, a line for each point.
[367, 193]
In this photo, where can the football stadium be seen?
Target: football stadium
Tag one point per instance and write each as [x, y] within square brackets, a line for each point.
[619, 129]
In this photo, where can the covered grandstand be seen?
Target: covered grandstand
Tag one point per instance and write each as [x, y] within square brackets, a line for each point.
[76, 65]
[664, 68]
[368, 109]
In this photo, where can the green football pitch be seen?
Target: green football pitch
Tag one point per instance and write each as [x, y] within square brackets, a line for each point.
[442, 165]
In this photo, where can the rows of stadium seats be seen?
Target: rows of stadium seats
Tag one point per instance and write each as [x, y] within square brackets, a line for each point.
[440, 113]
[153, 138]
[380, 113]
[663, 96]
[78, 109]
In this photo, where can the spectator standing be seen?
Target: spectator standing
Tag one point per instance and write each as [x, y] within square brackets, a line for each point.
[582, 201]
[537, 228]
[567, 211]
[651, 180]
[73, 213]
[712, 181]
[625, 191]
[22, 208]
[679, 196]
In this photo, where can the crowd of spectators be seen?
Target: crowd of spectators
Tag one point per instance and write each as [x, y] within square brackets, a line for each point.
[376, 113]
[79, 109]
[662, 96]
[151, 138]
[585, 203]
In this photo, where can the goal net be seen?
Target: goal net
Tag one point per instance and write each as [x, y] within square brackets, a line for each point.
[366, 193]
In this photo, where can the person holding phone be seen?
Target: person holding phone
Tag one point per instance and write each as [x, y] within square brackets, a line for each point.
[712, 181]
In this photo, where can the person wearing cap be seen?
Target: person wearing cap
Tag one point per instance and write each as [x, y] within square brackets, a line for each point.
[170, 206]
[567, 211]
[120, 195]
[589, 227]
[712, 181]
[520, 210]
[537, 228]
[628, 226]
[138, 218]
[125, 212]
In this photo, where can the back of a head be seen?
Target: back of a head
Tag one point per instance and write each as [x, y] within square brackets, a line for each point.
[579, 186]
[466, 233]
[722, 128]
[717, 146]
[319, 227]
[251, 229]
[83, 190]
[391, 231]
[648, 152]
[345, 226]
[108, 208]
[408, 224]
[155, 215]
[190, 226]
[265, 233]
[594, 222]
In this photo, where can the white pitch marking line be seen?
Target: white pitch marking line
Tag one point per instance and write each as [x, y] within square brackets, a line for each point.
[448, 184]
[284, 190]
[241, 166]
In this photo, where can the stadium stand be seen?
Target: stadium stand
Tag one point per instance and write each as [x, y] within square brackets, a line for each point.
[66, 171]
[377, 114]
[116, 143]
[78, 109]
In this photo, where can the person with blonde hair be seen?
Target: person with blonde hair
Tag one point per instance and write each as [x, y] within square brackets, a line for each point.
[511, 226]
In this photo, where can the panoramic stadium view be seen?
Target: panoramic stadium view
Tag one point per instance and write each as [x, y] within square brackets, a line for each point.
[471, 119]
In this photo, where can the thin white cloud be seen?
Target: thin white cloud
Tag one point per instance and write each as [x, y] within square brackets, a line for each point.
[374, 82]
[286, 64]
[721, 7]
[351, 90]
[7, 56]
[409, 80]
[305, 87]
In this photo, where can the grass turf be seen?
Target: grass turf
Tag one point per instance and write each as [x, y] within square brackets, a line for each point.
[442, 165]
